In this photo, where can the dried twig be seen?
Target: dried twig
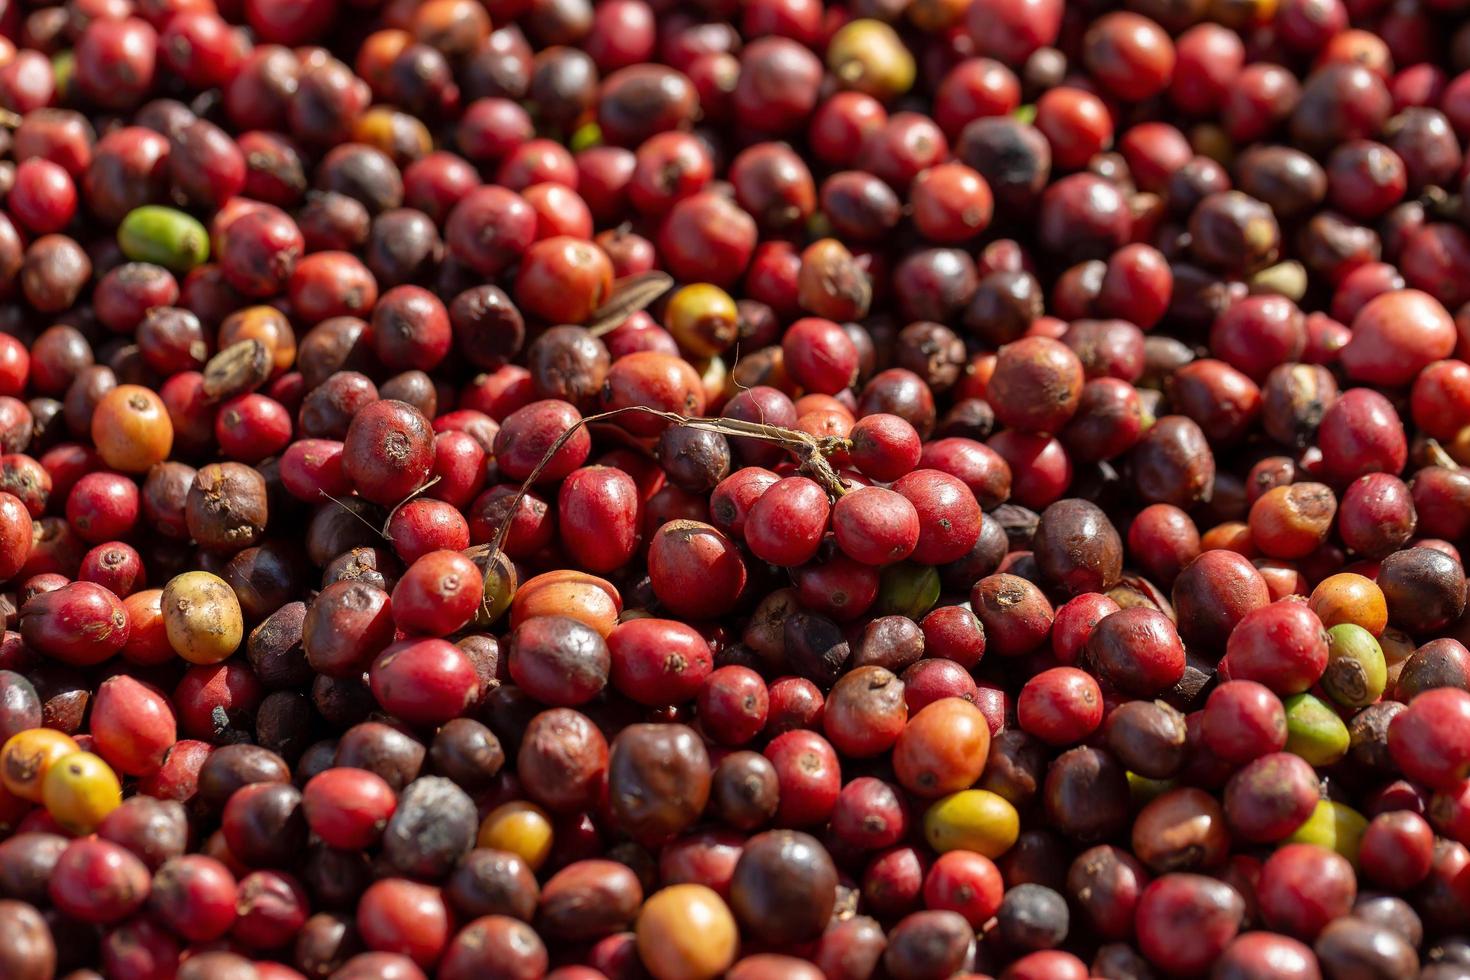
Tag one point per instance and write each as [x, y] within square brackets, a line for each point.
[630, 295]
[812, 451]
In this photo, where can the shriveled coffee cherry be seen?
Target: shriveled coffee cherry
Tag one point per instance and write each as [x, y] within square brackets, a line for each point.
[1077, 547]
[559, 660]
[562, 760]
[658, 780]
[263, 824]
[1421, 587]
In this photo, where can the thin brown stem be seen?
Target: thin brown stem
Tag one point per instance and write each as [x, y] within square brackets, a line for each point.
[348, 509]
[1438, 456]
[399, 506]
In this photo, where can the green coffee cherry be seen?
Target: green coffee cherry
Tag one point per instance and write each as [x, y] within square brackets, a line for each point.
[1143, 790]
[1356, 671]
[64, 71]
[1314, 731]
[585, 137]
[906, 589]
[1332, 825]
[501, 583]
[163, 236]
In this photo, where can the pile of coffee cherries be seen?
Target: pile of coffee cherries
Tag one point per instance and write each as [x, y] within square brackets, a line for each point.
[762, 489]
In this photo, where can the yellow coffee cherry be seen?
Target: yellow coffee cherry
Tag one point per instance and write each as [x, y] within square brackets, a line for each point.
[703, 319]
[972, 820]
[202, 618]
[686, 932]
[79, 790]
[1335, 826]
[523, 829]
